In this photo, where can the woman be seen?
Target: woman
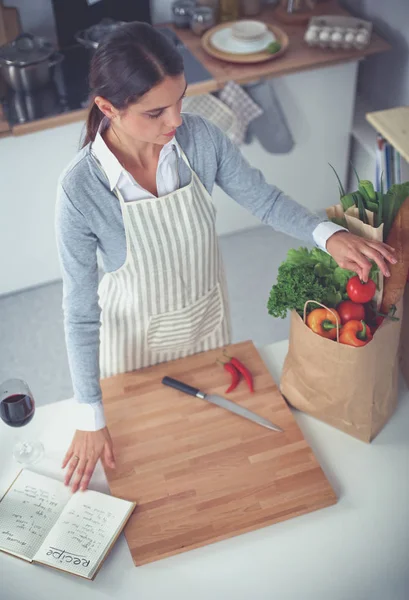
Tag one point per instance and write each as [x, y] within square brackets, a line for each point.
[139, 192]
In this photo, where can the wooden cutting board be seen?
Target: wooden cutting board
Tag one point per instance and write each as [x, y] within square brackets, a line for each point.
[198, 473]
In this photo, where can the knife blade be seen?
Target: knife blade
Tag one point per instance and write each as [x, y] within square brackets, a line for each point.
[221, 402]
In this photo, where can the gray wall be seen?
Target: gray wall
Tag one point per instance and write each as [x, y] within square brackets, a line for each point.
[384, 79]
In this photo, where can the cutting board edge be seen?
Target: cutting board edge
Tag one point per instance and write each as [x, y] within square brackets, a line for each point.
[331, 500]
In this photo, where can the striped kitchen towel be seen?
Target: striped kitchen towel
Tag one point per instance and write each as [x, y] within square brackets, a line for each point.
[243, 107]
[212, 109]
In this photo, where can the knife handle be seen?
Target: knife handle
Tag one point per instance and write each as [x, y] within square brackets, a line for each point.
[182, 387]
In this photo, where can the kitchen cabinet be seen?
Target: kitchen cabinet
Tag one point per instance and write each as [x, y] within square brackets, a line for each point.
[29, 171]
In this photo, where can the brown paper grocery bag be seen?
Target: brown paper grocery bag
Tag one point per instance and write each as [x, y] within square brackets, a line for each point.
[355, 225]
[353, 389]
[404, 338]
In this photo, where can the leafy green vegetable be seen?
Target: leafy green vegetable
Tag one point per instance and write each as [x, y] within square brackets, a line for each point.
[367, 190]
[341, 276]
[361, 208]
[368, 195]
[323, 257]
[347, 201]
[341, 187]
[298, 257]
[273, 47]
[294, 286]
[309, 275]
[379, 214]
[384, 206]
[372, 206]
[393, 200]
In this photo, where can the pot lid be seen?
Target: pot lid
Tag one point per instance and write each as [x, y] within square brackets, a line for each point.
[26, 49]
[97, 33]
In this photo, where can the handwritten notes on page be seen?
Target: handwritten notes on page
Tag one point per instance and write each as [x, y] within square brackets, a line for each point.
[84, 532]
[43, 522]
[28, 512]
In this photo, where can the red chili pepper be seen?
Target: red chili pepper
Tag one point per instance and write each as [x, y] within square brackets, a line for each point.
[243, 370]
[235, 376]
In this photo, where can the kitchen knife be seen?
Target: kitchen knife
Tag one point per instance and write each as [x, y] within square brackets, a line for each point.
[222, 402]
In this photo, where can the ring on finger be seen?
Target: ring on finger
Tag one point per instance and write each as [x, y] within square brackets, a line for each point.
[79, 472]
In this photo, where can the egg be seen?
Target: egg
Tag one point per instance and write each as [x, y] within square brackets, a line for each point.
[362, 38]
[336, 37]
[349, 37]
[325, 35]
[311, 35]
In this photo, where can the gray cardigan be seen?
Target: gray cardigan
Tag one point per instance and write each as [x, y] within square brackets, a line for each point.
[88, 216]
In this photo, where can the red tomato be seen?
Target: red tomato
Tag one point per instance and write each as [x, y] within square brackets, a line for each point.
[372, 318]
[360, 292]
[350, 311]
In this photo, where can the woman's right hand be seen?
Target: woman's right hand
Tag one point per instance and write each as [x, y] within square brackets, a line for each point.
[83, 454]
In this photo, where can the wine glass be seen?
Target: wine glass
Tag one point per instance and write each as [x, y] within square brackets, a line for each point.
[17, 409]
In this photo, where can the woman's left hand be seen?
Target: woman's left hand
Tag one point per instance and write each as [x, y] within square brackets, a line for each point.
[354, 253]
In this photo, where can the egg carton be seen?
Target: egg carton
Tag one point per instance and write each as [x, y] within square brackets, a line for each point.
[337, 32]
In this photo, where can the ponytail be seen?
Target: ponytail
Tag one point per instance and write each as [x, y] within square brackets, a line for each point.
[94, 119]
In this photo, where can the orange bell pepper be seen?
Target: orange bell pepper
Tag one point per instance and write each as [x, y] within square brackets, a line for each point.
[355, 333]
[324, 322]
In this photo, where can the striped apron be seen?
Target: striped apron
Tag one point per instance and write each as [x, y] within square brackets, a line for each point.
[169, 299]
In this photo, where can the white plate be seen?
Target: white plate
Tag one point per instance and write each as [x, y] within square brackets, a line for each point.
[224, 41]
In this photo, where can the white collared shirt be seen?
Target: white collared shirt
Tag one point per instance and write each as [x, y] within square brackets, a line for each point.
[119, 177]
[90, 417]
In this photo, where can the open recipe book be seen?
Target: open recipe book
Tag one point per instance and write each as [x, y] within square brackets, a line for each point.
[41, 521]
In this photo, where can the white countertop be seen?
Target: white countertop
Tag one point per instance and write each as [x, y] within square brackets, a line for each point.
[355, 550]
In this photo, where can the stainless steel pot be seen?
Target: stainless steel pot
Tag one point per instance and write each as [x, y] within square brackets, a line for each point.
[27, 62]
[31, 106]
[94, 35]
[30, 77]
[26, 49]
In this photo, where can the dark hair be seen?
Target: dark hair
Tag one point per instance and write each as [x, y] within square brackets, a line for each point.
[130, 62]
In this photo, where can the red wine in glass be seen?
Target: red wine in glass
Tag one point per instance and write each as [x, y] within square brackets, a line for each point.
[17, 408]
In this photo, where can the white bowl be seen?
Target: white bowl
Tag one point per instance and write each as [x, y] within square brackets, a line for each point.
[249, 30]
[224, 41]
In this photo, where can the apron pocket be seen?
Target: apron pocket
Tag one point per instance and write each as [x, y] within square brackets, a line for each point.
[187, 327]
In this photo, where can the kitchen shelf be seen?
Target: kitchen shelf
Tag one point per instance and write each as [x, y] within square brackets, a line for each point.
[298, 57]
[393, 125]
